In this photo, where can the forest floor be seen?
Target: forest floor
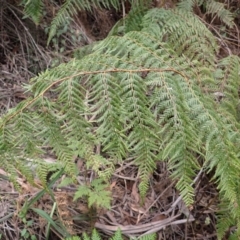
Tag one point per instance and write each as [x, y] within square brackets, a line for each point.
[23, 54]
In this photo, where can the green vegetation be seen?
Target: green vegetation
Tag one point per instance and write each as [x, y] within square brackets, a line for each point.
[117, 236]
[154, 91]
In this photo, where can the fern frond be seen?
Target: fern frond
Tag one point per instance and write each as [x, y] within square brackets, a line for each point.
[84, 50]
[8, 161]
[33, 9]
[218, 8]
[179, 134]
[148, 237]
[106, 108]
[117, 235]
[67, 10]
[73, 238]
[25, 170]
[71, 7]
[65, 182]
[95, 235]
[42, 172]
[212, 7]
[233, 236]
[228, 85]
[96, 193]
[187, 5]
[82, 191]
[86, 237]
[7, 139]
[133, 20]
[226, 220]
[99, 195]
[184, 32]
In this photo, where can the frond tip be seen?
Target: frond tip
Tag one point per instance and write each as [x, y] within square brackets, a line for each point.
[33, 9]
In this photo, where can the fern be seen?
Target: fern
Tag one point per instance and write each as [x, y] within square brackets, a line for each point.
[96, 193]
[226, 220]
[73, 238]
[148, 237]
[149, 95]
[33, 9]
[70, 7]
[65, 182]
[95, 235]
[133, 20]
[198, 44]
[86, 237]
[212, 7]
[219, 9]
[187, 5]
[116, 236]
[228, 85]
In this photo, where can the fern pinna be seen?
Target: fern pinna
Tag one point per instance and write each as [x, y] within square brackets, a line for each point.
[117, 236]
[150, 95]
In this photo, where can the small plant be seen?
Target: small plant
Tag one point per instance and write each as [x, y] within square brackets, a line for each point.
[96, 193]
[26, 232]
[117, 236]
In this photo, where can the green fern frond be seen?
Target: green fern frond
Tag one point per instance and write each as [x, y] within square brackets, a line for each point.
[181, 138]
[7, 139]
[218, 8]
[71, 7]
[73, 238]
[95, 235]
[99, 194]
[152, 236]
[228, 85]
[226, 220]
[212, 7]
[86, 237]
[178, 28]
[84, 50]
[65, 182]
[67, 10]
[26, 171]
[117, 235]
[58, 142]
[33, 9]
[234, 236]
[9, 166]
[96, 193]
[42, 172]
[82, 191]
[187, 5]
[133, 20]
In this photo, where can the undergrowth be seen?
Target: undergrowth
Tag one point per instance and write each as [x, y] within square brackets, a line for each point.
[154, 93]
[117, 236]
